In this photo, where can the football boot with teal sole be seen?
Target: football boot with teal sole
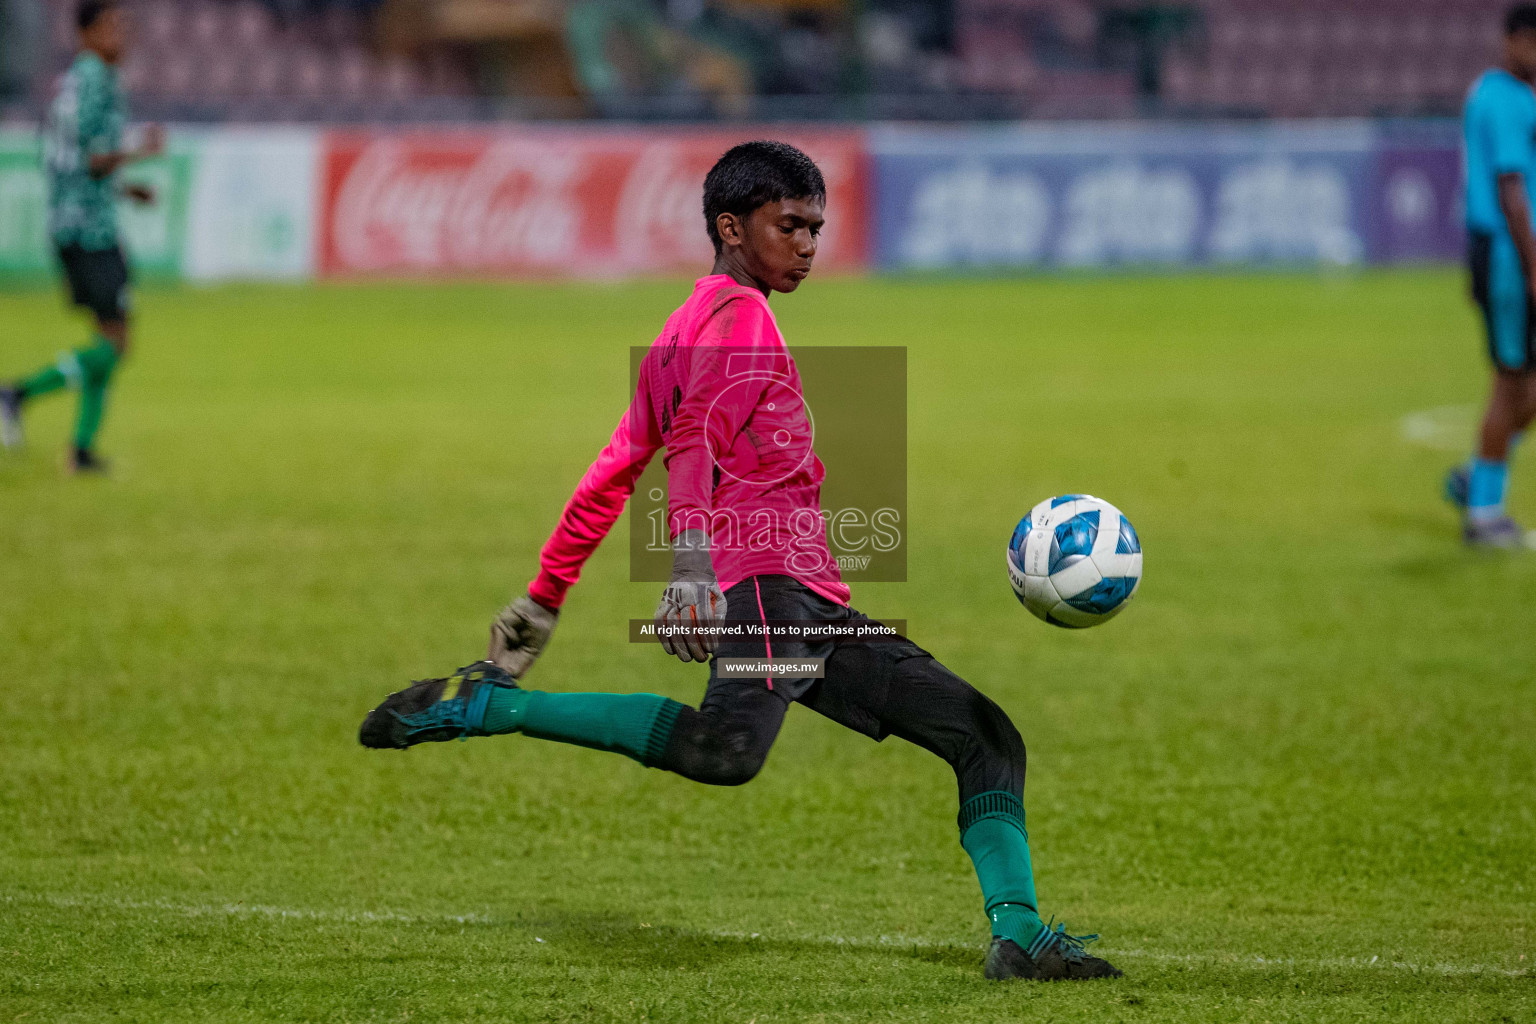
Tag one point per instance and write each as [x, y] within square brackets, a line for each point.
[435, 710]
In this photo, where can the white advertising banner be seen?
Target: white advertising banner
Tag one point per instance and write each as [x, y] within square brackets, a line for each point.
[253, 207]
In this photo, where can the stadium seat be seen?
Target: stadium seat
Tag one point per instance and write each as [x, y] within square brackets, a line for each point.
[1290, 58]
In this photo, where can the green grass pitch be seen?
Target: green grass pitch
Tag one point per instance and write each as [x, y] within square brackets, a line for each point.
[1296, 781]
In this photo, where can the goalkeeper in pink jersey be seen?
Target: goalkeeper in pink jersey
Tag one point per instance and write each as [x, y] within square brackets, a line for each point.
[719, 393]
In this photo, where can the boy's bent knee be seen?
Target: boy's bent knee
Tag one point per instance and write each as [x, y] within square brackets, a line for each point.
[931, 706]
[716, 753]
[730, 768]
[996, 731]
[993, 756]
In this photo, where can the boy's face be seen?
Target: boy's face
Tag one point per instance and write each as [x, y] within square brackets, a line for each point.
[777, 241]
[1520, 48]
[107, 35]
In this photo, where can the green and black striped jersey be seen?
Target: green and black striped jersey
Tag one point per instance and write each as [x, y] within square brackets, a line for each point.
[85, 119]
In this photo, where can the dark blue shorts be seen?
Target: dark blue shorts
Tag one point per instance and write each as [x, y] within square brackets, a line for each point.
[1500, 290]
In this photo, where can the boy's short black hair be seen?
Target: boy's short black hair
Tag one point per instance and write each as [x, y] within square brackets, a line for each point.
[90, 10]
[1520, 18]
[755, 173]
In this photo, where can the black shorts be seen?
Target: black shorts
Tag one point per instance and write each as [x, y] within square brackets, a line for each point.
[883, 687]
[98, 280]
[1500, 291]
[857, 674]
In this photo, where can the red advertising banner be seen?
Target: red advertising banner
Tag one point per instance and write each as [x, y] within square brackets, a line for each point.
[563, 201]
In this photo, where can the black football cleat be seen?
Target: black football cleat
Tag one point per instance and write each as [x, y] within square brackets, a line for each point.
[1052, 956]
[11, 435]
[435, 710]
[84, 462]
[1502, 534]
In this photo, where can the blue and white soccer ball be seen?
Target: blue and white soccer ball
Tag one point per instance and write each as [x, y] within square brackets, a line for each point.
[1074, 561]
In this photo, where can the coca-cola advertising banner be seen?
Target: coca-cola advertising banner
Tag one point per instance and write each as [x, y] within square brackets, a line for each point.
[562, 201]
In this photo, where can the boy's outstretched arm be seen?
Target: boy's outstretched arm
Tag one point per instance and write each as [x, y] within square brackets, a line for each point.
[739, 351]
[521, 631]
[702, 425]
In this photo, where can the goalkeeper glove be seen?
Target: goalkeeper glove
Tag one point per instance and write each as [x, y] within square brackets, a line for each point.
[520, 633]
[693, 598]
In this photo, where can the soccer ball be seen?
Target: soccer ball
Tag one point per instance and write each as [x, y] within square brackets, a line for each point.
[1074, 561]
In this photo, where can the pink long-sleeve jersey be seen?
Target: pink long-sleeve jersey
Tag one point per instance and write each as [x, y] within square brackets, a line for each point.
[719, 390]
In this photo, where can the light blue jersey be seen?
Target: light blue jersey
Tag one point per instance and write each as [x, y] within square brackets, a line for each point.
[1500, 138]
[1499, 128]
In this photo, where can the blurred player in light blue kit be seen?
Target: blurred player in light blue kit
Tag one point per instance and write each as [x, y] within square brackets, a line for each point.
[1500, 142]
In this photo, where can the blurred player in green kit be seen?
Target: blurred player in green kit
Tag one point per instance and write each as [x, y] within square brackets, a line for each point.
[82, 152]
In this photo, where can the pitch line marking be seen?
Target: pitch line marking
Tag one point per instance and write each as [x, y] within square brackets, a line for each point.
[1217, 959]
[250, 910]
[879, 941]
[1445, 428]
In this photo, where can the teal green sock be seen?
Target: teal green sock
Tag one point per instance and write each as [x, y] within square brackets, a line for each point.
[48, 379]
[74, 367]
[93, 401]
[637, 725]
[96, 364]
[992, 832]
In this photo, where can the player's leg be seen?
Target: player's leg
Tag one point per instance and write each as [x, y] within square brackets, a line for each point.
[1511, 410]
[482, 700]
[899, 689]
[48, 379]
[1458, 479]
[89, 370]
[107, 298]
[1502, 294]
[98, 281]
[1501, 419]
[1527, 406]
[726, 741]
[723, 742]
[1486, 520]
[97, 365]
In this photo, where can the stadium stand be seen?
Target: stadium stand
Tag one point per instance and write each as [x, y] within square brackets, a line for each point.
[244, 60]
[1285, 58]
[428, 60]
[1302, 58]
